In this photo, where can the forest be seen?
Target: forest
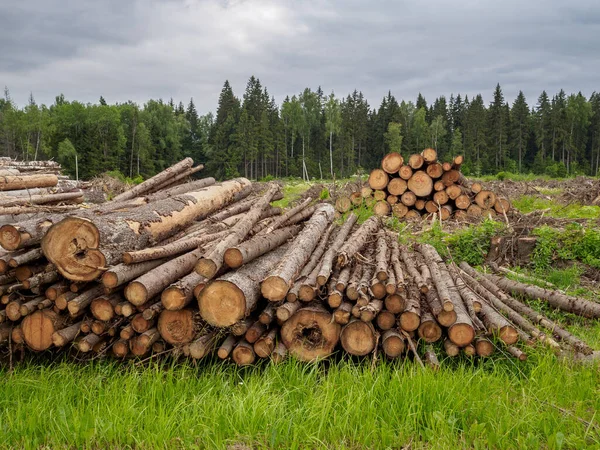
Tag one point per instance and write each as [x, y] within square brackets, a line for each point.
[310, 135]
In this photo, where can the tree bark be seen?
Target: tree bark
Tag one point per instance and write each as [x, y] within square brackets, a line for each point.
[82, 248]
[122, 273]
[392, 343]
[13, 182]
[152, 283]
[209, 265]
[181, 293]
[277, 284]
[329, 257]
[243, 353]
[357, 240]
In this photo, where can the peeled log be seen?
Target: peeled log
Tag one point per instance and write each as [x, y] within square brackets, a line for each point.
[378, 179]
[232, 297]
[277, 284]
[421, 184]
[152, 283]
[39, 327]
[310, 333]
[358, 337]
[9, 183]
[81, 248]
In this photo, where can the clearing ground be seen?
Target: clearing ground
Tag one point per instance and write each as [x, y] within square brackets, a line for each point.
[548, 401]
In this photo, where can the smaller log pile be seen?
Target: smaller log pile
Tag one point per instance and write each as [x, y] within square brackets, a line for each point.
[195, 270]
[28, 186]
[423, 187]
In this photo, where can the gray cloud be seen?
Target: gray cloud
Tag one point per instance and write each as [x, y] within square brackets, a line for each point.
[136, 50]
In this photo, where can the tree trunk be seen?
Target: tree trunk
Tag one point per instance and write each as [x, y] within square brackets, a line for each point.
[260, 244]
[210, 264]
[232, 297]
[357, 240]
[329, 257]
[83, 300]
[152, 283]
[555, 299]
[498, 325]
[42, 199]
[123, 273]
[279, 221]
[9, 183]
[81, 248]
[180, 294]
[277, 284]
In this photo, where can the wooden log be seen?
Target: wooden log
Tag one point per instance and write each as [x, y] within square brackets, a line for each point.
[142, 344]
[393, 343]
[78, 304]
[420, 184]
[310, 333]
[40, 279]
[381, 208]
[441, 283]
[416, 161]
[268, 314]
[371, 310]
[496, 324]
[342, 313]
[243, 353]
[356, 198]
[120, 348]
[203, 345]
[392, 199]
[397, 186]
[283, 218]
[31, 306]
[12, 182]
[408, 198]
[277, 284]
[265, 345]
[405, 173]
[441, 198]
[517, 353]
[307, 280]
[122, 273]
[474, 211]
[392, 162]
[378, 179]
[287, 310]
[410, 318]
[232, 297]
[226, 346]
[153, 311]
[485, 199]
[181, 293]
[484, 347]
[399, 210]
[53, 291]
[39, 327]
[439, 186]
[357, 240]
[462, 202]
[554, 298]
[153, 282]
[329, 256]
[23, 257]
[101, 242]
[428, 330]
[435, 170]
[385, 320]
[209, 264]
[180, 189]
[179, 327]
[343, 204]
[502, 206]
[176, 180]
[358, 337]
[62, 197]
[451, 348]
[255, 331]
[156, 180]
[141, 325]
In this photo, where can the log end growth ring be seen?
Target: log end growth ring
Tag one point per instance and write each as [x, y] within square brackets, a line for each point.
[72, 245]
[222, 303]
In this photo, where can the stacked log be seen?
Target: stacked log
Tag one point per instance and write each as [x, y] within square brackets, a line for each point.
[423, 187]
[218, 269]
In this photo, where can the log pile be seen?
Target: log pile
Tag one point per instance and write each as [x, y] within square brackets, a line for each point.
[206, 268]
[423, 187]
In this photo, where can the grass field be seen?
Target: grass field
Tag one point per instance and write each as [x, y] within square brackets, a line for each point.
[544, 402]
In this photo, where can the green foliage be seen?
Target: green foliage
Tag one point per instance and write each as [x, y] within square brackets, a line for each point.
[471, 244]
[324, 195]
[504, 404]
[393, 137]
[125, 179]
[575, 243]
[527, 204]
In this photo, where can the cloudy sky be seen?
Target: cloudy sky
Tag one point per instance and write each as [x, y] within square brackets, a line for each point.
[141, 49]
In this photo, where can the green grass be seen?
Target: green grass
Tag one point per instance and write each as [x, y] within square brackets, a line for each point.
[292, 191]
[496, 403]
[527, 204]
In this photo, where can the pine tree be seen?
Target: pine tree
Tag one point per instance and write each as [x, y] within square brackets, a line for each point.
[520, 127]
[498, 127]
[543, 126]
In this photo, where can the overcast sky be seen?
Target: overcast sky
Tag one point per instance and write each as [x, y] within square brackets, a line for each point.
[141, 49]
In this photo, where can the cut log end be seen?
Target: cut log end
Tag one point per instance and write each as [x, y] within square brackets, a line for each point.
[461, 334]
[358, 338]
[173, 298]
[72, 246]
[136, 293]
[233, 258]
[274, 288]
[310, 334]
[178, 327]
[206, 267]
[222, 303]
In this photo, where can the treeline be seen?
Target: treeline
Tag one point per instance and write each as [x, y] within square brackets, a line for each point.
[310, 135]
